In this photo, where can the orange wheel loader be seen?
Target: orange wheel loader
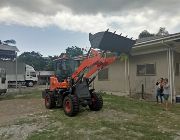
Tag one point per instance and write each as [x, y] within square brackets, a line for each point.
[71, 87]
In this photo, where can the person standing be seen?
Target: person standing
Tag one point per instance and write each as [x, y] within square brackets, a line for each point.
[159, 90]
[166, 91]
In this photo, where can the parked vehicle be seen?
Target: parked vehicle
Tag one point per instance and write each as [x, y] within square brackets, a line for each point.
[26, 75]
[3, 82]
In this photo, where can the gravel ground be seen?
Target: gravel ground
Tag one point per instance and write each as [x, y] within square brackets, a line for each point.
[20, 117]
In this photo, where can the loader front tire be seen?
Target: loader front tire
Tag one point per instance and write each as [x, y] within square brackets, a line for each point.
[71, 105]
[49, 101]
[97, 102]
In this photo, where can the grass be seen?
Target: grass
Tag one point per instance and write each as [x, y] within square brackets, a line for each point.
[120, 118]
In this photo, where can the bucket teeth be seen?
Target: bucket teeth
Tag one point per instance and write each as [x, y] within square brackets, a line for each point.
[112, 42]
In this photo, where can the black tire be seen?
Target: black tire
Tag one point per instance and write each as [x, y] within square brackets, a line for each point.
[49, 101]
[60, 101]
[71, 105]
[97, 102]
[29, 84]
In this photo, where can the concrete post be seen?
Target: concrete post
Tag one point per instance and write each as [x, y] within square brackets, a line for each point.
[16, 72]
[171, 72]
[173, 77]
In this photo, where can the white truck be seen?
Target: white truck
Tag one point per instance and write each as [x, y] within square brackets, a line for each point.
[3, 82]
[25, 75]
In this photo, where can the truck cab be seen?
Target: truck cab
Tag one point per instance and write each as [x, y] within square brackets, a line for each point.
[3, 82]
[30, 77]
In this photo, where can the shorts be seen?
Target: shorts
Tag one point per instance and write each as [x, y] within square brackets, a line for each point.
[166, 96]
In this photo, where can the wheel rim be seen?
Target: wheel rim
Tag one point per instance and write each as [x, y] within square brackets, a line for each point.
[30, 84]
[93, 99]
[67, 106]
[47, 101]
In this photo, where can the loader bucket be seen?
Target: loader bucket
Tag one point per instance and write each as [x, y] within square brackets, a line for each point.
[112, 42]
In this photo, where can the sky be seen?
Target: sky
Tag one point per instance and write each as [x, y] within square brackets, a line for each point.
[50, 26]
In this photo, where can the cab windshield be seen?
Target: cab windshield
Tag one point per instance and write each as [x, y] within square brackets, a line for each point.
[33, 74]
[65, 68]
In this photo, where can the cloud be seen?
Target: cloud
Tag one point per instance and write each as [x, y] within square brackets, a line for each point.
[125, 16]
[92, 6]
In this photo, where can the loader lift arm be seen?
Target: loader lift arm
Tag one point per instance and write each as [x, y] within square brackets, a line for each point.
[95, 61]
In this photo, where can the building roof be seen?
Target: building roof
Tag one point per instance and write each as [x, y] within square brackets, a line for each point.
[146, 40]
[156, 44]
[7, 51]
[45, 73]
[7, 47]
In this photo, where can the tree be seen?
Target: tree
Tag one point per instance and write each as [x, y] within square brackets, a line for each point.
[162, 32]
[123, 57]
[145, 34]
[34, 59]
[74, 51]
[39, 62]
[50, 62]
[11, 41]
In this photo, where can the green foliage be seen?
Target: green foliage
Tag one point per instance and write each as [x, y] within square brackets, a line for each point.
[73, 51]
[11, 41]
[39, 62]
[123, 57]
[162, 31]
[36, 60]
[145, 34]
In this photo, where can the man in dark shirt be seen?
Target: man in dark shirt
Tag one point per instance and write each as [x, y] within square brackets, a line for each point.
[159, 91]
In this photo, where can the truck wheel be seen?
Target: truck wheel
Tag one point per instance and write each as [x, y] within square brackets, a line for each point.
[30, 84]
[71, 105]
[97, 102]
[49, 101]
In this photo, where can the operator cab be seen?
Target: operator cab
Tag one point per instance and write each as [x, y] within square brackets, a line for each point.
[65, 67]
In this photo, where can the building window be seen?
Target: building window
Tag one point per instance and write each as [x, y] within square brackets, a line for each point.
[177, 69]
[146, 69]
[103, 74]
[141, 69]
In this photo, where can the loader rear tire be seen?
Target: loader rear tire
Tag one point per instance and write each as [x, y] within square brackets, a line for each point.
[49, 101]
[71, 105]
[97, 102]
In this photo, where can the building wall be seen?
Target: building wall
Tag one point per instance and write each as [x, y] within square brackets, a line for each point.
[160, 61]
[42, 80]
[118, 78]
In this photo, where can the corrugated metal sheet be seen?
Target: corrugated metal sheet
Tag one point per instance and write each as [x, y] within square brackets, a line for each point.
[8, 47]
[10, 67]
[152, 38]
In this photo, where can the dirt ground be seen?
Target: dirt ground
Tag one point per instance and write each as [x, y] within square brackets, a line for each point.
[18, 118]
[11, 110]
